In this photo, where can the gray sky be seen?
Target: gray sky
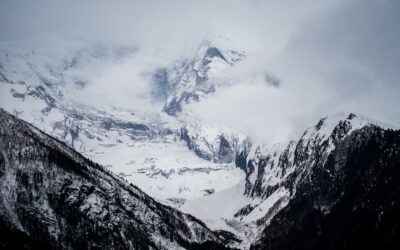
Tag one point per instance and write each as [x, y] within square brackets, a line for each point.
[331, 56]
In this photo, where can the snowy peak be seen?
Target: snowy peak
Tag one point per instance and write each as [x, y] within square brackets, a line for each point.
[218, 48]
[280, 160]
[194, 78]
[268, 169]
[211, 53]
[330, 124]
[341, 195]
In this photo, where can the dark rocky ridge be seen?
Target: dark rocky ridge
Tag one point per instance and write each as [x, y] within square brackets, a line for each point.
[53, 198]
[293, 162]
[350, 200]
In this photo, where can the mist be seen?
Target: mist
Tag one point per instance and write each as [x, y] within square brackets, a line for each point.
[329, 57]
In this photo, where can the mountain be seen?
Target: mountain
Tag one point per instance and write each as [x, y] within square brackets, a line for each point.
[194, 78]
[54, 198]
[174, 158]
[349, 198]
[341, 182]
[191, 80]
[265, 210]
[291, 194]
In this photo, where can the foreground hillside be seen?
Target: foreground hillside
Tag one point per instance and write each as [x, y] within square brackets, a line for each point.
[348, 198]
[53, 198]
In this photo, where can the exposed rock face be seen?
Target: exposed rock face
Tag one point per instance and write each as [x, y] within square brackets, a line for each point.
[53, 198]
[192, 79]
[220, 149]
[349, 201]
[286, 165]
[336, 187]
[226, 151]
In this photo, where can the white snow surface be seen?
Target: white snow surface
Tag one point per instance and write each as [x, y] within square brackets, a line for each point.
[160, 164]
[168, 170]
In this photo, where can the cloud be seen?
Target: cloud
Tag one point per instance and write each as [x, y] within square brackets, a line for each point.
[263, 112]
[341, 59]
[167, 24]
[329, 56]
[120, 84]
[350, 51]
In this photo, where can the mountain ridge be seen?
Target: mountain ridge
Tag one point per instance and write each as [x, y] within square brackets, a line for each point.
[80, 192]
[351, 201]
[243, 191]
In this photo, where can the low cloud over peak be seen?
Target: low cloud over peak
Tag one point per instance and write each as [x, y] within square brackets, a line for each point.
[302, 60]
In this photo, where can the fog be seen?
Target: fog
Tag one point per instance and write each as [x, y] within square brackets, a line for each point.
[330, 56]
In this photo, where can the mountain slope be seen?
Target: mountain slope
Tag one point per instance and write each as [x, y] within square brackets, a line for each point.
[172, 158]
[276, 175]
[349, 202]
[53, 198]
[271, 169]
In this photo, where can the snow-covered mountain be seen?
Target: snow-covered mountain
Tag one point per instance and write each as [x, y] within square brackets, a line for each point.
[54, 198]
[194, 78]
[170, 155]
[274, 173]
[191, 80]
[241, 190]
[347, 198]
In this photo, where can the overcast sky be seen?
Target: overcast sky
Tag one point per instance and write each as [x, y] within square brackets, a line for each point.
[330, 56]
